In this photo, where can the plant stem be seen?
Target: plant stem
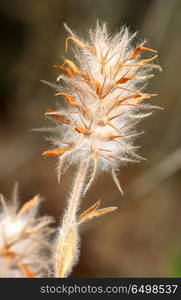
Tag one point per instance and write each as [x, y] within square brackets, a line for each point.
[67, 252]
[74, 201]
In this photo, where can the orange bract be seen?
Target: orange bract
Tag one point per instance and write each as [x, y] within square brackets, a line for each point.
[56, 152]
[138, 49]
[125, 79]
[94, 212]
[28, 205]
[74, 68]
[77, 41]
[68, 98]
[66, 70]
[98, 88]
[89, 210]
[81, 130]
[54, 115]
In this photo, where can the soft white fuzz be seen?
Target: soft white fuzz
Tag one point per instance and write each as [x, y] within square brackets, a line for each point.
[23, 240]
[101, 100]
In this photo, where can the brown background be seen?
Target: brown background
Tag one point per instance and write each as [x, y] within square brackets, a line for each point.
[143, 237]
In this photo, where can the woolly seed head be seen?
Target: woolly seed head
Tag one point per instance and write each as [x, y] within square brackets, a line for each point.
[101, 99]
[23, 239]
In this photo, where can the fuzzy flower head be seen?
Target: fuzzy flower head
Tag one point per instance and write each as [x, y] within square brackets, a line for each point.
[23, 240]
[102, 96]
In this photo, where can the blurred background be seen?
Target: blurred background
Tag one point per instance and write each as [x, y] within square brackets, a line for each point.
[143, 237]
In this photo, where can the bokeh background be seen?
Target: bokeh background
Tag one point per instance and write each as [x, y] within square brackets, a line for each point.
[143, 237]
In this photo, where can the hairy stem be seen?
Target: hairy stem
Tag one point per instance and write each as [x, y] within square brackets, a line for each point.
[74, 201]
[66, 248]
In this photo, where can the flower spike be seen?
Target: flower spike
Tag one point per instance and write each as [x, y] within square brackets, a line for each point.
[103, 88]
